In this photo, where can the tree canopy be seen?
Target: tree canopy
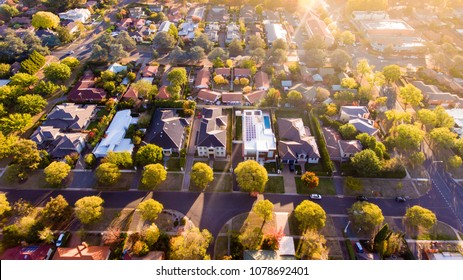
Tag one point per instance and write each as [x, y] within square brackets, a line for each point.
[107, 173]
[418, 216]
[251, 176]
[89, 209]
[392, 73]
[4, 204]
[366, 216]
[310, 215]
[366, 163]
[148, 154]
[310, 180]
[45, 20]
[202, 175]
[56, 172]
[150, 209]
[263, 209]
[153, 175]
[191, 245]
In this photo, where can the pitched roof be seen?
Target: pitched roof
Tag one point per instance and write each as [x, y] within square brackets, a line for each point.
[162, 93]
[66, 144]
[26, 253]
[131, 93]
[332, 137]
[222, 71]
[70, 116]
[364, 125]
[350, 146]
[85, 90]
[82, 252]
[309, 92]
[242, 72]
[229, 97]
[149, 71]
[167, 129]
[261, 80]
[116, 68]
[255, 96]
[213, 128]
[355, 111]
[295, 139]
[203, 77]
[209, 95]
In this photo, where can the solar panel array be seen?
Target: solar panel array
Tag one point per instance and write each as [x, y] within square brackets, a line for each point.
[250, 128]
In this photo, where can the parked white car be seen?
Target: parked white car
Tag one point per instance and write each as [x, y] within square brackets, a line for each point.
[315, 196]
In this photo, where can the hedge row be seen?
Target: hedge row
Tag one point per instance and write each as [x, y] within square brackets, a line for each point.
[324, 154]
[350, 249]
[33, 64]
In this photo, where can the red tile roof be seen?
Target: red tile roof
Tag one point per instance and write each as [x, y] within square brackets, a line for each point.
[150, 71]
[229, 97]
[131, 93]
[222, 71]
[242, 72]
[162, 93]
[255, 96]
[85, 90]
[261, 80]
[208, 95]
[202, 78]
[26, 253]
[82, 252]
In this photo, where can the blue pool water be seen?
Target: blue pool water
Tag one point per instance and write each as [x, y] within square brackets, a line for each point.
[267, 122]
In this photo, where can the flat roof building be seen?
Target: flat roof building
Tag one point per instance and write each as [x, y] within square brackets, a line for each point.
[259, 142]
[274, 32]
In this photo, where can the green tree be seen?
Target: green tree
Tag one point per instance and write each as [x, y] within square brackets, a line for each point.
[107, 174]
[203, 41]
[25, 153]
[71, 62]
[89, 209]
[153, 175]
[407, 137]
[23, 80]
[164, 41]
[56, 210]
[125, 40]
[347, 38]
[45, 20]
[313, 246]
[121, 159]
[218, 53]
[56, 172]
[420, 217]
[427, 118]
[4, 70]
[57, 72]
[7, 12]
[64, 35]
[191, 245]
[310, 216]
[366, 163]
[363, 68]
[417, 158]
[151, 235]
[202, 175]
[442, 138]
[140, 248]
[148, 154]
[349, 83]
[443, 119]
[340, 59]
[294, 97]
[455, 161]
[255, 42]
[15, 122]
[310, 180]
[392, 73]
[273, 98]
[353, 184]
[45, 88]
[4, 204]
[315, 57]
[348, 131]
[251, 176]
[411, 95]
[145, 89]
[31, 104]
[366, 216]
[177, 77]
[150, 209]
[263, 209]
[235, 48]
[46, 235]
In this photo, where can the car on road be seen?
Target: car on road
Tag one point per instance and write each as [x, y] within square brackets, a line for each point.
[362, 198]
[62, 238]
[70, 52]
[315, 196]
[400, 199]
[380, 57]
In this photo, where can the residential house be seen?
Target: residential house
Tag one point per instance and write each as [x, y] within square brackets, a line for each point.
[212, 30]
[149, 71]
[259, 141]
[202, 78]
[364, 125]
[317, 78]
[241, 73]
[58, 144]
[233, 32]
[70, 117]
[274, 31]
[317, 27]
[248, 14]
[272, 16]
[187, 30]
[163, 94]
[224, 72]
[165, 26]
[434, 96]
[116, 68]
[82, 252]
[332, 138]
[261, 81]
[348, 113]
[255, 97]
[309, 93]
[114, 139]
[232, 98]
[196, 14]
[324, 71]
[286, 84]
[218, 14]
[81, 15]
[136, 12]
[296, 143]
[73, 27]
[24, 22]
[155, 8]
[4, 82]
[286, 251]
[212, 137]
[131, 94]
[167, 130]
[85, 90]
[209, 96]
[32, 252]
[457, 115]
[348, 148]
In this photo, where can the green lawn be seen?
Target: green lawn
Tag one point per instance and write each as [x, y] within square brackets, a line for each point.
[222, 183]
[275, 184]
[173, 182]
[221, 166]
[271, 167]
[124, 183]
[239, 128]
[173, 164]
[316, 168]
[325, 187]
